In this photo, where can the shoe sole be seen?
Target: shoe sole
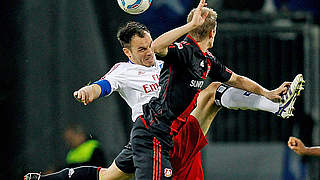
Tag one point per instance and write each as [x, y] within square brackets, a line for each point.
[297, 92]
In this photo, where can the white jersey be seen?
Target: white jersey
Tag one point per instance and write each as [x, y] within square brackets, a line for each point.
[136, 84]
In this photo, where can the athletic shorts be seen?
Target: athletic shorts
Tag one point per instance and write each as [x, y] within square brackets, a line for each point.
[185, 157]
[150, 154]
[124, 160]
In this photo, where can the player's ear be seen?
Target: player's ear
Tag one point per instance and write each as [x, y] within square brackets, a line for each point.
[212, 33]
[127, 52]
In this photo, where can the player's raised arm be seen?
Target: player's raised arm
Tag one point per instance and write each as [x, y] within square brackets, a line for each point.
[160, 45]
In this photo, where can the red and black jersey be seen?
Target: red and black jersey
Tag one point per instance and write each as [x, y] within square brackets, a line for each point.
[182, 76]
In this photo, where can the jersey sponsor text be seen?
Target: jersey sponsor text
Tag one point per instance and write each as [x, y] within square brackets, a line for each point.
[150, 87]
[196, 84]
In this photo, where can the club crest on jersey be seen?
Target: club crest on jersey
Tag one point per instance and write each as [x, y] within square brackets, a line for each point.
[140, 72]
[167, 172]
[179, 45]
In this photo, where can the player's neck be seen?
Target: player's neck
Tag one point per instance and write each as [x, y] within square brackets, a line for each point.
[203, 45]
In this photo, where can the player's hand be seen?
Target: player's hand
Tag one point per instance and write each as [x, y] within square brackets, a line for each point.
[84, 95]
[275, 95]
[197, 19]
[296, 145]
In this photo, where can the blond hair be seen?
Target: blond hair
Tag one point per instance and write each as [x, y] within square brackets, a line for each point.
[201, 32]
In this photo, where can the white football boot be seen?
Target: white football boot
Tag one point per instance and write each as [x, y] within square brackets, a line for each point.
[287, 101]
[32, 176]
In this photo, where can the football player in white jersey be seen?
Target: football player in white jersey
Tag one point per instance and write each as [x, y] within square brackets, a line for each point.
[137, 81]
[134, 82]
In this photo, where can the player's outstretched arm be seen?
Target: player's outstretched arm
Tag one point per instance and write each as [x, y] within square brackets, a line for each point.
[298, 147]
[160, 45]
[88, 93]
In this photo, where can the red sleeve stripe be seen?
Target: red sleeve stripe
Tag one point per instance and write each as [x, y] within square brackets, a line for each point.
[228, 70]
[112, 69]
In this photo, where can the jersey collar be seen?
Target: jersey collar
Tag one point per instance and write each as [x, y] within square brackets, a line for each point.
[191, 40]
[130, 61]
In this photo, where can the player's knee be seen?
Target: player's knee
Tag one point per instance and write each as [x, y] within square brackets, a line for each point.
[210, 91]
[214, 86]
[113, 173]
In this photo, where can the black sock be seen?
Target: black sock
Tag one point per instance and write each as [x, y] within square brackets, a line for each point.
[79, 173]
[221, 89]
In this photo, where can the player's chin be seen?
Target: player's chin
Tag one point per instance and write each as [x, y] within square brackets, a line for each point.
[149, 61]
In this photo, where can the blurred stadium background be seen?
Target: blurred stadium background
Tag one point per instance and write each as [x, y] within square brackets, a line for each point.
[51, 48]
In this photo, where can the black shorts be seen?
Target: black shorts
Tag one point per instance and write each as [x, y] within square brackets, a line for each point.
[150, 154]
[146, 160]
[185, 157]
[124, 160]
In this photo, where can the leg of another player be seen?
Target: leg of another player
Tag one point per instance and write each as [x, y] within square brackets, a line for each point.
[234, 98]
[113, 173]
[86, 173]
[206, 109]
[78, 173]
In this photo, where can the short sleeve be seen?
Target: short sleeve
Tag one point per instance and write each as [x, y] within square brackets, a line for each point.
[116, 77]
[177, 53]
[219, 72]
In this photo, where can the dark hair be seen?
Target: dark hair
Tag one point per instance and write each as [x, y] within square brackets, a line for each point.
[130, 29]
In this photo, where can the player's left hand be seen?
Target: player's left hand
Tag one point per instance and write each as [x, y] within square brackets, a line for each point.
[198, 19]
[275, 95]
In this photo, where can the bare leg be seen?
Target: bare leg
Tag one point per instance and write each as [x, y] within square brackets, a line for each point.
[206, 109]
[113, 173]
